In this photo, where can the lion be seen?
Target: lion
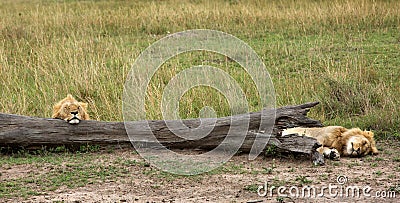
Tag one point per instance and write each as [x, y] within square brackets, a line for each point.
[338, 141]
[70, 110]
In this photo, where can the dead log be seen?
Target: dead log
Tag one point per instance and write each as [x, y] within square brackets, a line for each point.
[17, 130]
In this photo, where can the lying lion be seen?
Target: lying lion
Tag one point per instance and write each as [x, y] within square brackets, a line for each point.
[338, 141]
[70, 110]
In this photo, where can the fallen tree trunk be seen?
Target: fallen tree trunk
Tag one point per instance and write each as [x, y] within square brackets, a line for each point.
[24, 131]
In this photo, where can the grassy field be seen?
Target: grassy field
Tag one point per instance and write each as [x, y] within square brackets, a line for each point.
[343, 54]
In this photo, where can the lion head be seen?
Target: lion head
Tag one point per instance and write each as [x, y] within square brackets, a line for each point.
[70, 110]
[357, 143]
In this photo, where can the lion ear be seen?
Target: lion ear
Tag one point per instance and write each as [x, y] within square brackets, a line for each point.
[69, 96]
[369, 134]
[374, 150]
[83, 104]
[84, 107]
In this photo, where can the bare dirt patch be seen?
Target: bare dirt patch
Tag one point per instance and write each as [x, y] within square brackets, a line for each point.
[237, 181]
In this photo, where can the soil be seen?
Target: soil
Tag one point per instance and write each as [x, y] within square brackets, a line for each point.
[241, 180]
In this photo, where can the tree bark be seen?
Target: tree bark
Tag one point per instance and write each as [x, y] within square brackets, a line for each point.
[24, 131]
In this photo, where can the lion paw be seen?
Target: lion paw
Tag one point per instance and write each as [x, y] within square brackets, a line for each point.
[332, 154]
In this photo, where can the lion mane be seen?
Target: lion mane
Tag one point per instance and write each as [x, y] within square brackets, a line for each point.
[338, 141]
[70, 110]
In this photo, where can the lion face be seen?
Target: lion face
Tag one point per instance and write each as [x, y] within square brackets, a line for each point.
[70, 110]
[357, 146]
[359, 143]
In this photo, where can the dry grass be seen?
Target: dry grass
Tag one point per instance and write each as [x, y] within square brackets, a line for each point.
[344, 54]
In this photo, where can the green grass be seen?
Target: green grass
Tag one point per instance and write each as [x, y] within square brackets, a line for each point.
[303, 180]
[251, 188]
[55, 170]
[378, 173]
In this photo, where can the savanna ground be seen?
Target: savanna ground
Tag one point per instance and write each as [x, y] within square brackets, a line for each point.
[343, 54]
